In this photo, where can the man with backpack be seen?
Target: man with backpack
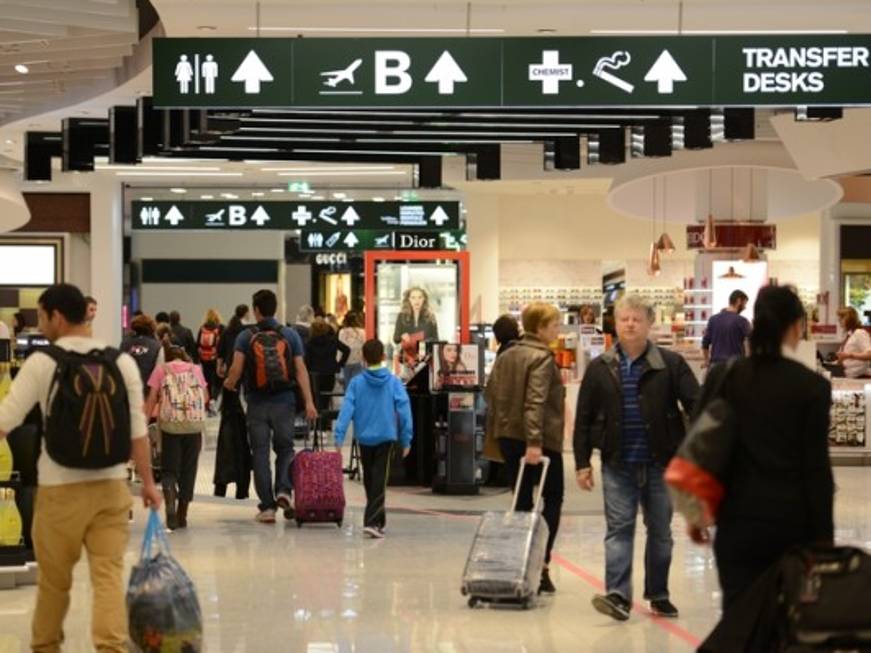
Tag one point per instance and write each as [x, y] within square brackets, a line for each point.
[91, 398]
[183, 336]
[271, 358]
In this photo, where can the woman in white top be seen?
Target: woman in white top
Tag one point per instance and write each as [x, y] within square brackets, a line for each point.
[353, 335]
[855, 354]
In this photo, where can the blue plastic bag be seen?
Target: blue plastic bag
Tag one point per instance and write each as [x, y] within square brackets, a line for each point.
[163, 610]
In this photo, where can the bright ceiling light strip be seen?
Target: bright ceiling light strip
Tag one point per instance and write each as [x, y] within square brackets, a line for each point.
[714, 32]
[341, 174]
[386, 30]
[179, 168]
[406, 132]
[464, 114]
[452, 141]
[331, 169]
[400, 123]
[376, 151]
[176, 174]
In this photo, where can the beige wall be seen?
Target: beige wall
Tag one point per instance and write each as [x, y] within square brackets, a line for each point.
[544, 237]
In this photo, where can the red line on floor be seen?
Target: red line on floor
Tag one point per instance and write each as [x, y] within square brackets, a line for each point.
[591, 579]
[666, 624]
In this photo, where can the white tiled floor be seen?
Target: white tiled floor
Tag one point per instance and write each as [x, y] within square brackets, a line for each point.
[325, 590]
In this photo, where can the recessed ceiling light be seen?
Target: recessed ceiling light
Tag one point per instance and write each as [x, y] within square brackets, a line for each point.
[178, 190]
[276, 190]
[340, 196]
[147, 199]
[377, 199]
[207, 197]
[9, 141]
[21, 68]
[230, 196]
[257, 194]
[318, 197]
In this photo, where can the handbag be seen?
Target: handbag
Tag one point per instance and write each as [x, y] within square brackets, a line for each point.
[696, 474]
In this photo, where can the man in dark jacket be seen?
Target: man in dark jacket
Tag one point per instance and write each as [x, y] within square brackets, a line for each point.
[628, 409]
[184, 336]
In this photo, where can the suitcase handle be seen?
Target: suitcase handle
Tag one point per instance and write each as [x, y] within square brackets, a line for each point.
[545, 461]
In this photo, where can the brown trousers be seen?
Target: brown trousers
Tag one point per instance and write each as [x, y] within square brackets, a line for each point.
[68, 517]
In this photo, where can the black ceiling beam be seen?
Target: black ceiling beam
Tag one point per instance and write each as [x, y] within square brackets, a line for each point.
[82, 139]
[39, 148]
[122, 135]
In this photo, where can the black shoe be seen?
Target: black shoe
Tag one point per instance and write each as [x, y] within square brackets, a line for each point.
[285, 505]
[170, 497]
[664, 608]
[613, 605]
[546, 586]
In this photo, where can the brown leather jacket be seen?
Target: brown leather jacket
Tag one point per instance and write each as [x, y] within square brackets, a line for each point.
[526, 396]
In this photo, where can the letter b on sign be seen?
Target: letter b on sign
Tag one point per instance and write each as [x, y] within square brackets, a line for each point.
[237, 215]
[391, 72]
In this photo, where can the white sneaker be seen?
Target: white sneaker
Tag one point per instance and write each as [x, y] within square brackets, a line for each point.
[266, 516]
[373, 532]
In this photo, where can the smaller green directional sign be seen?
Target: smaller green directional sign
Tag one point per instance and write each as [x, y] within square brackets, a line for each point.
[326, 240]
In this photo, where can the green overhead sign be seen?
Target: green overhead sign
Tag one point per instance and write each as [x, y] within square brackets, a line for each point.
[626, 72]
[327, 240]
[285, 216]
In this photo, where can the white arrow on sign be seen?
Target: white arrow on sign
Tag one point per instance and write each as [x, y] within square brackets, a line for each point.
[439, 217]
[174, 216]
[350, 217]
[351, 240]
[665, 72]
[260, 217]
[446, 72]
[252, 71]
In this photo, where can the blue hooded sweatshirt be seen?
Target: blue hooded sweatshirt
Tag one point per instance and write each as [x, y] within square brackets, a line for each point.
[374, 401]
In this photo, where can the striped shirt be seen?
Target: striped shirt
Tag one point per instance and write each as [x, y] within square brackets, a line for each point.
[636, 447]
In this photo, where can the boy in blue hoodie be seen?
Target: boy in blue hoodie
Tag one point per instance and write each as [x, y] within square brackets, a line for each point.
[375, 401]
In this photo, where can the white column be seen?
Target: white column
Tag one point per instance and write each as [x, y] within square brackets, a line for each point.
[482, 227]
[106, 256]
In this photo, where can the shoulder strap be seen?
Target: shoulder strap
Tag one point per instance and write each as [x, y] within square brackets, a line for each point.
[55, 353]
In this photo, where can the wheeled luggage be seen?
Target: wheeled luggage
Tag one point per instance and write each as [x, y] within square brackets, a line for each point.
[155, 439]
[824, 595]
[318, 485]
[507, 556]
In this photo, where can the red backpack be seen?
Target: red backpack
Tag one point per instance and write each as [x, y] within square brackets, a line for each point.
[208, 344]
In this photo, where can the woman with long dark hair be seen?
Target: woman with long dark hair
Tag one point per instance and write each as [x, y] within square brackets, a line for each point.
[415, 323]
[779, 490]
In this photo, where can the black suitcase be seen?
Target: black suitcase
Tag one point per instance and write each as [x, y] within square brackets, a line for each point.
[826, 600]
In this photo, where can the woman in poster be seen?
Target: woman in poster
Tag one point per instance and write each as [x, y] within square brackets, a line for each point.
[452, 370]
[415, 323]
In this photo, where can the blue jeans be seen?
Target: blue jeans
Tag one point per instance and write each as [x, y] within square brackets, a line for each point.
[349, 372]
[271, 422]
[626, 486]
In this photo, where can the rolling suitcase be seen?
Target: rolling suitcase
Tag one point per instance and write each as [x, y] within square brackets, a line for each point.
[318, 485]
[507, 556]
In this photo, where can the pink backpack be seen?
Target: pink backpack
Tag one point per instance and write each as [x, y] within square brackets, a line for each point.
[182, 402]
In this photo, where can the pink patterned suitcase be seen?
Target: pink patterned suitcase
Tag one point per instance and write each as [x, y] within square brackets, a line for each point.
[318, 487]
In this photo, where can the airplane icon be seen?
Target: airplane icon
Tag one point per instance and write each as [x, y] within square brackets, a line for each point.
[383, 241]
[212, 218]
[338, 76]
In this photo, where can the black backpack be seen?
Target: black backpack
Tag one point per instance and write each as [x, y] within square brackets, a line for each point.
[87, 422]
[145, 351]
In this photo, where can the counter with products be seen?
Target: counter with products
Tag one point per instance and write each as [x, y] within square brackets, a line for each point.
[850, 423]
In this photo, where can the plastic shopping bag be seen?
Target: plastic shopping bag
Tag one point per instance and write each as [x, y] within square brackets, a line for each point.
[162, 606]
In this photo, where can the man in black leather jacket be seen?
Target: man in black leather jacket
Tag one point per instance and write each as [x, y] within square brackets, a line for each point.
[631, 407]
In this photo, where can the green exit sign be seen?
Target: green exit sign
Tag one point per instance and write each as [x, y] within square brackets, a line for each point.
[299, 187]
